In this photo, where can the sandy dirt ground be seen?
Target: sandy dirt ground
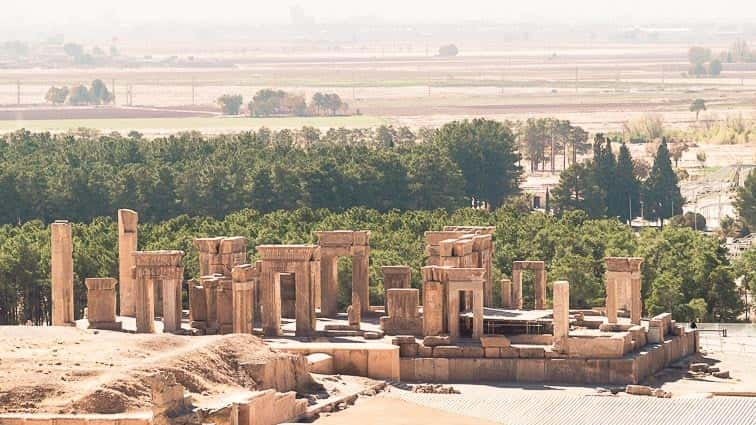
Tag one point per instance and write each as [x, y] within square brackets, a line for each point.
[46, 369]
[382, 410]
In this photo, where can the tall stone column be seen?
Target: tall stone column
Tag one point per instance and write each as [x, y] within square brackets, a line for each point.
[433, 308]
[540, 289]
[517, 288]
[477, 307]
[305, 306]
[636, 303]
[271, 302]
[485, 259]
[225, 305]
[197, 305]
[329, 285]
[506, 293]
[128, 223]
[145, 304]
[61, 275]
[611, 297]
[360, 277]
[561, 310]
[209, 254]
[243, 306]
[210, 284]
[243, 278]
[101, 303]
[452, 309]
[172, 309]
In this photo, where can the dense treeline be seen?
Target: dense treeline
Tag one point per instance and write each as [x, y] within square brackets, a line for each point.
[684, 271]
[609, 185]
[80, 177]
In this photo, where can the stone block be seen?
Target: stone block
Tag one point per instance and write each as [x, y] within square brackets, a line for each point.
[321, 363]
[567, 371]
[408, 350]
[436, 340]
[472, 351]
[464, 369]
[531, 351]
[622, 371]
[498, 370]
[351, 362]
[597, 371]
[492, 352]
[384, 364]
[424, 351]
[407, 369]
[447, 351]
[531, 370]
[498, 341]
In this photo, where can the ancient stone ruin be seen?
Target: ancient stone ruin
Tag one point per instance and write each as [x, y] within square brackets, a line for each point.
[449, 329]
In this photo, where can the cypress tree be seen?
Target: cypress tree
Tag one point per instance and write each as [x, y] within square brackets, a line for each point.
[662, 198]
[627, 186]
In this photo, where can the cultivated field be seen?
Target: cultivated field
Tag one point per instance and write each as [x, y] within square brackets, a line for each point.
[598, 86]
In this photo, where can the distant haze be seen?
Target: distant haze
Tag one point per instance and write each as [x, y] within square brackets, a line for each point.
[103, 19]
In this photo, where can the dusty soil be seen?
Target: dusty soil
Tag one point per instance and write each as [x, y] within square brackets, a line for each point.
[100, 112]
[382, 410]
[70, 370]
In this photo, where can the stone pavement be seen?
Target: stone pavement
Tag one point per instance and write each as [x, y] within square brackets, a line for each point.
[543, 406]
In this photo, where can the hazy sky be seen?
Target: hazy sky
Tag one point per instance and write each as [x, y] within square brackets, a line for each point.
[135, 11]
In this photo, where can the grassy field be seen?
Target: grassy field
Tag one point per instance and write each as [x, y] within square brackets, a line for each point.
[156, 126]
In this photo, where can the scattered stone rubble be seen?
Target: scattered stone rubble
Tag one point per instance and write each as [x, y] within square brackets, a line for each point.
[434, 389]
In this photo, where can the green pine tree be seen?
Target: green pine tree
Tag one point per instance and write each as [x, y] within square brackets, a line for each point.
[627, 186]
[662, 198]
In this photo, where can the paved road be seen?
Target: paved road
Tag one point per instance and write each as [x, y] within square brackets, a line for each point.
[540, 406]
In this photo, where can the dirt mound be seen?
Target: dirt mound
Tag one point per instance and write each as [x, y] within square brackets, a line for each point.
[109, 372]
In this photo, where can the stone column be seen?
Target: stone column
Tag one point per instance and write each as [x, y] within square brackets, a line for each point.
[478, 312]
[145, 304]
[394, 277]
[506, 293]
[101, 303]
[172, 308]
[452, 308]
[271, 301]
[611, 297]
[561, 309]
[636, 303]
[61, 275]
[360, 277]
[517, 288]
[197, 305]
[225, 305]
[433, 308]
[232, 252]
[208, 251]
[540, 289]
[243, 306]
[244, 301]
[128, 222]
[210, 283]
[305, 307]
[329, 285]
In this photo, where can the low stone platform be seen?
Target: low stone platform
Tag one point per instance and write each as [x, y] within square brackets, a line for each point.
[372, 360]
[535, 364]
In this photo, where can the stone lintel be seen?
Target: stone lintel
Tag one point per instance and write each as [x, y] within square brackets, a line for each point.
[286, 252]
[233, 244]
[394, 270]
[528, 265]
[157, 258]
[479, 230]
[335, 238]
[244, 273]
[435, 237]
[100, 283]
[623, 264]
[208, 245]
[463, 274]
